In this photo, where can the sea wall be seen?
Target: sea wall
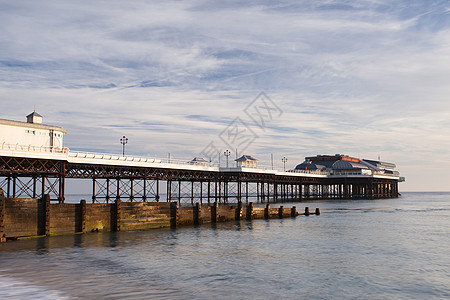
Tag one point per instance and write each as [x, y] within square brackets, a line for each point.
[34, 217]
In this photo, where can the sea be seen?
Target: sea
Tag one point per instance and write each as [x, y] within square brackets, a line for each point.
[356, 249]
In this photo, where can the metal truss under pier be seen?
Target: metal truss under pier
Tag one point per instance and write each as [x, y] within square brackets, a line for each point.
[32, 177]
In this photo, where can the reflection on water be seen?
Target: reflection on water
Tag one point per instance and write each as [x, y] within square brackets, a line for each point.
[381, 249]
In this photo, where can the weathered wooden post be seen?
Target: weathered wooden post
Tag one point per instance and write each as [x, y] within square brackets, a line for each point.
[196, 213]
[306, 211]
[280, 211]
[173, 214]
[46, 202]
[118, 206]
[293, 211]
[266, 211]
[214, 212]
[317, 211]
[238, 212]
[83, 215]
[2, 217]
[249, 211]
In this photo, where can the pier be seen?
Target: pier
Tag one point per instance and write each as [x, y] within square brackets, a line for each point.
[31, 172]
[140, 192]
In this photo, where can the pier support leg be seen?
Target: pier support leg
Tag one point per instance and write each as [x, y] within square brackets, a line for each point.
[192, 192]
[169, 190]
[131, 190]
[62, 181]
[108, 197]
[8, 188]
[93, 189]
[14, 186]
[157, 197]
[179, 191]
[201, 192]
[246, 192]
[239, 192]
[34, 186]
[118, 190]
[209, 192]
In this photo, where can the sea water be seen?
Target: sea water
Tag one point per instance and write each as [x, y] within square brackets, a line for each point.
[356, 249]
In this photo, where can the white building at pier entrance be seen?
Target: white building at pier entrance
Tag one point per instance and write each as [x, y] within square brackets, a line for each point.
[31, 133]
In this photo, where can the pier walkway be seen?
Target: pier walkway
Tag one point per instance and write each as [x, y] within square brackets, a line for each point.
[31, 172]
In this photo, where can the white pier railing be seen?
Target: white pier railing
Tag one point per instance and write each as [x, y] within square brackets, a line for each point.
[29, 148]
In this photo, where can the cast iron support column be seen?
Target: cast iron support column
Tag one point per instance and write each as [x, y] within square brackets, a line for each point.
[93, 189]
[62, 181]
[8, 189]
[34, 186]
[201, 192]
[169, 190]
[179, 191]
[14, 186]
[118, 189]
[192, 192]
[239, 192]
[209, 192]
[246, 192]
[157, 197]
[131, 189]
[257, 192]
[144, 193]
[220, 190]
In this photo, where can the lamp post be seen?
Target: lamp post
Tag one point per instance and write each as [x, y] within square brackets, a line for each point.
[227, 153]
[123, 141]
[284, 160]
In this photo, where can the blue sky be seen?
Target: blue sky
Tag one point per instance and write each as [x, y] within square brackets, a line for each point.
[364, 78]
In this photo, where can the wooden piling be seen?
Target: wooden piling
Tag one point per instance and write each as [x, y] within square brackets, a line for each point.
[173, 214]
[83, 215]
[118, 206]
[238, 212]
[267, 211]
[280, 212]
[306, 211]
[196, 212]
[317, 211]
[249, 211]
[46, 203]
[294, 211]
[214, 212]
[2, 217]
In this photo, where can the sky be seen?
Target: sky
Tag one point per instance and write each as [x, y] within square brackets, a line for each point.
[289, 78]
